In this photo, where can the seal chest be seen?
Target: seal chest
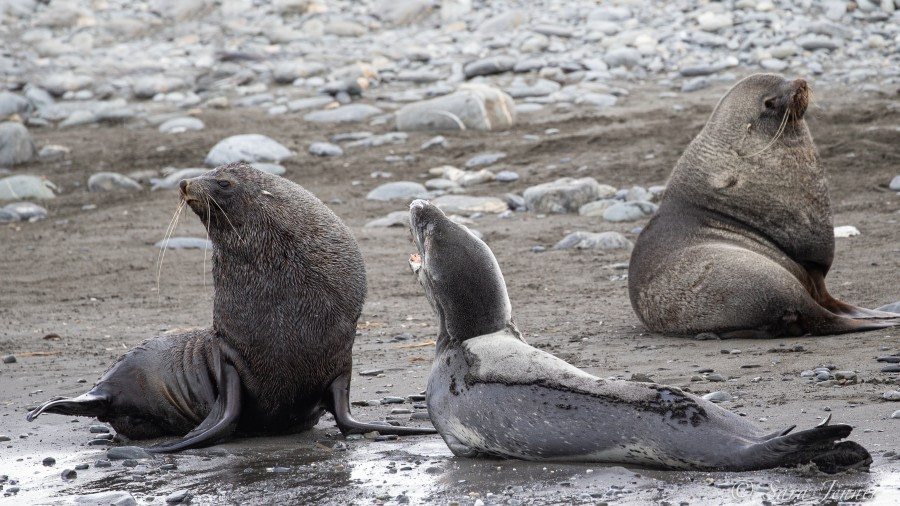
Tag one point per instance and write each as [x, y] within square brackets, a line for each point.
[743, 238]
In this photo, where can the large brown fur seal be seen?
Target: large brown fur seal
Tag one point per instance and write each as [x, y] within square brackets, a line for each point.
[289, 286]
[743, 237]
[491, 394]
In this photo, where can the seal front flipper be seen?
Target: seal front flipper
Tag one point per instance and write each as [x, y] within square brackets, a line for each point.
[339, 406]
[88, 404]
[222, 419]
[817, 445]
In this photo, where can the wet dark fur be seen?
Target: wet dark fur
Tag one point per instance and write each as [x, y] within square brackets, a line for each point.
[289, 285]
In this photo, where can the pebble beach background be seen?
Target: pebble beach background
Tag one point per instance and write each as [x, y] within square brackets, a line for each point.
[548, 127]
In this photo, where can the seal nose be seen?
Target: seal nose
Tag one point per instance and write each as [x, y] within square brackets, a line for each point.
[184, 186]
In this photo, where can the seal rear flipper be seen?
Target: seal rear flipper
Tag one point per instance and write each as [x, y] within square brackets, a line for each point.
[339, 406]
[87, 404]
[817, 445]
[222, 419]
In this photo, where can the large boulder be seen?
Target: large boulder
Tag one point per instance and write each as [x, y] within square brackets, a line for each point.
[26, 187]
[472, 107]
[247, 148]
[565, 195]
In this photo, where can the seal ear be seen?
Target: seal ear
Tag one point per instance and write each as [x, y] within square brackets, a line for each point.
[88, 404]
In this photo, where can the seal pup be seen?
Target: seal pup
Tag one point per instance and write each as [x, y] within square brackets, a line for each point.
[491, 394]
[289, 285]
[743, 237]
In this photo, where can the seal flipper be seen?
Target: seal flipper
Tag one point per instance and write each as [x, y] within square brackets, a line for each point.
[87, 404]
[339, 406]
[222, 419]
[817, 445]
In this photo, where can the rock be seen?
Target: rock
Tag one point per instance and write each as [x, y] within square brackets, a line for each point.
[629, 211]
[379, 140]
[106, 499]
[506, 176]
[712, 21]
[183, 124]
[325, 149]
[99, 429]
[147, 87]
[25, 211]
[442, 184]
[541, 88]
[891, 395]
[371, 372]
[402, 12]
[598, 100]
[438, 141]
[622, 57]
[48, 461]
[10, 104]
[464, 204]
[484, 159]
[172, 180]
[15, 144]
[289, 71]
[247, 148]
[773, 64]
[345, 114]
[564, 195]
[397, 190]
[394, 219]
[78, 118]
[697, 83]
[813, 43]
[127, 452]
[589, 240]
[111, 181]
[846, 231]
[26, 187]
[184, 243]
[53, 152]
[503, 23]
[343, 28]
[896, 414]
[895, 184]
[488, 66]
[68, 474]
[596, 208]
[179, 497]
[718, 397]
[308, 103]
[475, 107]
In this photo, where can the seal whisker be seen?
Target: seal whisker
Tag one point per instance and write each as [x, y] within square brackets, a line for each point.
[228, 219]
[781, 127]
[173, 224]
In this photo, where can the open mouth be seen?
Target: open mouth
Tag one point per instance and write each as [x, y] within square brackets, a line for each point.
[415, 263]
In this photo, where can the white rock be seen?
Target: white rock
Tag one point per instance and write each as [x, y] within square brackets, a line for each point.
[846, 231]
[26, 187]
[473, 107]
[247, 148]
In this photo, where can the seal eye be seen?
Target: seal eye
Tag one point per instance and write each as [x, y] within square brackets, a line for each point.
[770, 103]
[223, 183]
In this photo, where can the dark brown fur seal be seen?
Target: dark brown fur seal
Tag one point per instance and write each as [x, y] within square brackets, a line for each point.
[743, 237]
[289, 286]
